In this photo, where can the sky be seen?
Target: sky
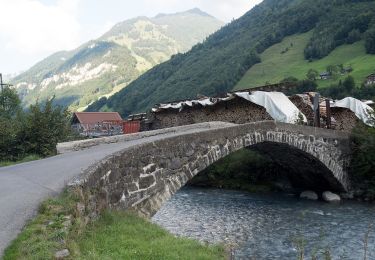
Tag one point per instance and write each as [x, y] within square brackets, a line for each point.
[30, 30]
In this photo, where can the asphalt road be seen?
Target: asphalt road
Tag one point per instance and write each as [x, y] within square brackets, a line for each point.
[24, 186]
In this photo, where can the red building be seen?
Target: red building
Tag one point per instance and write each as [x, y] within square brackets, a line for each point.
[95, 124]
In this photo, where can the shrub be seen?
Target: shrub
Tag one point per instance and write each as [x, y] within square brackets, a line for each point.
[363, 160]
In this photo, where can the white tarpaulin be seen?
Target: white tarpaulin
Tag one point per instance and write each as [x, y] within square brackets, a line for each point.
[277, 105]
[191, 103]
[359, 108]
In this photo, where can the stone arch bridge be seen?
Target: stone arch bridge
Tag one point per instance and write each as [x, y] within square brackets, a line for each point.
[144, 176]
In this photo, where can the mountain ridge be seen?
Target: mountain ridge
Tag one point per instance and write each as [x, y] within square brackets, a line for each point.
[192, 11]
[103, 66]
[218, 64]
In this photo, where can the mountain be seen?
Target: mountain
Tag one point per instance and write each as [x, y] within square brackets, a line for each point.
[218, 64]
[106, 65]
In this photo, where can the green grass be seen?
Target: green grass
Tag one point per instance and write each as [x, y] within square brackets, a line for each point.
[28, 158]
[45, 234]
[126, 236]
[115, 235]
[276, 66]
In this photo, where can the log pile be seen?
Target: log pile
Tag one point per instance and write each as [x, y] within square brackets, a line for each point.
[344, 119]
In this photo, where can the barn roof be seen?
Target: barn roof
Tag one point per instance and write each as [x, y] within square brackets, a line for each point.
[96, 117]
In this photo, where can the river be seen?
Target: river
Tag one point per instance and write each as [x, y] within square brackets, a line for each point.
[270, 226]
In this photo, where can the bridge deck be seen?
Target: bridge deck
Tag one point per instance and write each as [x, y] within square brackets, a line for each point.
[24, 186]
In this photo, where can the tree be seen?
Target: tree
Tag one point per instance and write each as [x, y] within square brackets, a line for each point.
[9, 132]
[306, 86]
[312, 74]
[353, 36]
[45, 126]
[333, 70]
[9, 102]
[349, 84]
[370, 41]
[290, 79]
[9, 125]
[363, 159]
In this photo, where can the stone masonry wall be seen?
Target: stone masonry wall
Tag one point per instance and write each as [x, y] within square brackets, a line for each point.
[241, 111]
[143, 177]
[238, 111]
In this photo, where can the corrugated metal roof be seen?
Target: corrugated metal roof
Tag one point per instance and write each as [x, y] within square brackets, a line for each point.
[97, 117]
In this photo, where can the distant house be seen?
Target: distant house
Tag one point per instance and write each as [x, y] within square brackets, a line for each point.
[325, 75]
[95, 124]
[370, 79]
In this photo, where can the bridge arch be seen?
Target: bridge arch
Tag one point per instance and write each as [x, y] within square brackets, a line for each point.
[145, 176]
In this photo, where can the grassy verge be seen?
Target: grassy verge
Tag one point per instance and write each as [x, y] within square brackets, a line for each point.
[115, 235]
[28, 158]
[126, 236]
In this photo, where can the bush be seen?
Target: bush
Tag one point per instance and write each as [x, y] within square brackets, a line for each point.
[302, 86]
[45, 125]
[36, 131]
[348, 88]
[363, 160]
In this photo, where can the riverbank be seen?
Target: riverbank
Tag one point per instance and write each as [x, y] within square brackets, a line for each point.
[61, 230]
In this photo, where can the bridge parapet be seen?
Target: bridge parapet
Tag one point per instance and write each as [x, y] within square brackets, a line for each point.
[145, 176]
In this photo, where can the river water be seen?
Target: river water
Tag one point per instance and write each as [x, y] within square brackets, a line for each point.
[270, 226]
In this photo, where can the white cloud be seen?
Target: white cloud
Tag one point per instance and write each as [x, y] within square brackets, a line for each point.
[228, 10]
[31, 27]
[30, 30]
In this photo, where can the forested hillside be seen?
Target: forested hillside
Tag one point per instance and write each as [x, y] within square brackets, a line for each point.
[217, 65]
[286, 59]
[104, 66]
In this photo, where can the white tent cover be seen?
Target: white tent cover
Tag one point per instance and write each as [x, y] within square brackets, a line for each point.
[277, 105]
[191, 103]
[359, 108]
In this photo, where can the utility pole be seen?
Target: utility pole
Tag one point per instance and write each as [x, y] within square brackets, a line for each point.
[317, 110]
[328, 113]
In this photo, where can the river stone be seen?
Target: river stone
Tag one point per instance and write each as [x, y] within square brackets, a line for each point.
[310, 195]
[347, 196]
[330, 197]
[61, 254]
